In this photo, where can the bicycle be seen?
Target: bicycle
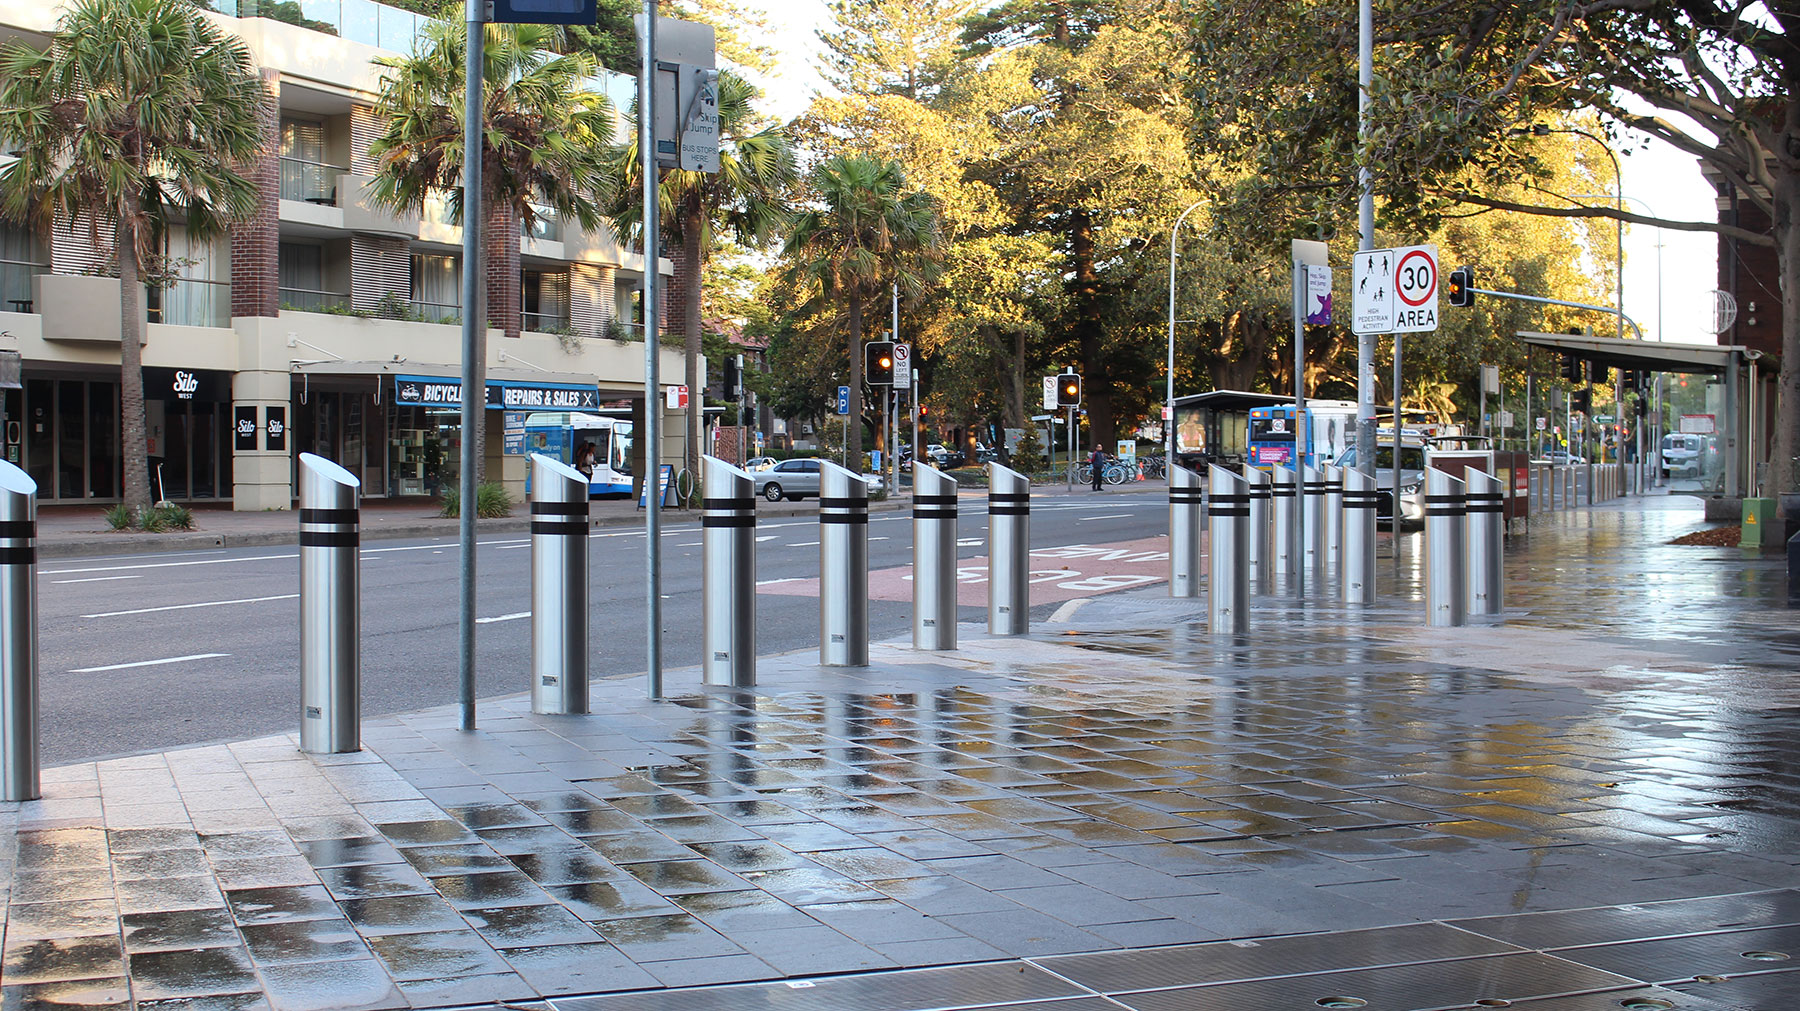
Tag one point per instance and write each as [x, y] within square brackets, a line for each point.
[1116, 473]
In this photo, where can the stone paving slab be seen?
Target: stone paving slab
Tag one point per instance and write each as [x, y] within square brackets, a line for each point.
[1117, 782]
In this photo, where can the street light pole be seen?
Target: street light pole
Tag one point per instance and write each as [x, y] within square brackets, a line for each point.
[1169, 379]
[474, 368]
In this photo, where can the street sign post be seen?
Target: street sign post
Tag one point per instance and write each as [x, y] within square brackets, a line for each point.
[1049, 393]
[1394, 290]
[699, 135]
[675, 398]
[843, 400]
[902, 365]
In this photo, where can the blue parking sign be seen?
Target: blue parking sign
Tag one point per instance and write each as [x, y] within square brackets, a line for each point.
[843, 404]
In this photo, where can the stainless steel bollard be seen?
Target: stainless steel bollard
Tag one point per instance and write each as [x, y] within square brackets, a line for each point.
[934, 558]
[1361, 502]
[1486, 533]
[728, 544]
[1257, 558]
[1187, 502]
[1283, 514]
[843, 567]
[1009, 551]
[330, 607]
[19, 779]
[1334, 518]
[1228, 542]
[1313, 550]
[1446, 516]
[559, 587]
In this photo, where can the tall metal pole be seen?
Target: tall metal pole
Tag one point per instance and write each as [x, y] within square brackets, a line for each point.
[1365, 217]
[893, 466]
[1301, 429]
[652, 374]
[1169, 377]
[1399, 514]
[474, 387]
[915, 425]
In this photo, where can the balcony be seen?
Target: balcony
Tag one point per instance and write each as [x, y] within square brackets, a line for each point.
[362, 21]
[310, 181]
[15, 284]
[544, 322]
[194, 302]
[311, 300]
[547, 228]
[435, 312]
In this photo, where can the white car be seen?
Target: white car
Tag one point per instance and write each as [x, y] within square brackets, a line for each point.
[760, 463]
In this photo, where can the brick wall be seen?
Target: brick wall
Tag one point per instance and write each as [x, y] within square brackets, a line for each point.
[254, 242]
[725, 443]
[500, 243]
[380, 266]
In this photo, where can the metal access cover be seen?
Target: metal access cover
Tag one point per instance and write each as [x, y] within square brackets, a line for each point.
[1674, 959]
[1228, 961]
[960, 986]
[1608, 924]
[1754, 993]
[1422, 987]
[1646, 998]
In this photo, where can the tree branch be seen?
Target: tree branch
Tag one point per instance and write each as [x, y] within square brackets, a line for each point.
[1744, 234]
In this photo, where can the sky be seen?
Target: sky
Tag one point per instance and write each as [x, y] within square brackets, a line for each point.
[1669, 295]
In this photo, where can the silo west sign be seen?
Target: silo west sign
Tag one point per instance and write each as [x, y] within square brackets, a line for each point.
[429, 391]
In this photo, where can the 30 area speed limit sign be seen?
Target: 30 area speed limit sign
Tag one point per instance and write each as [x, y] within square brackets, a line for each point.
[1394, 290]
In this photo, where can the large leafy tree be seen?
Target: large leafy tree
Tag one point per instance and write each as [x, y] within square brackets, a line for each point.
[895, 46]
[546, 139]
[746, 199]
[1457, 83]
[137, 115]
[866, 229]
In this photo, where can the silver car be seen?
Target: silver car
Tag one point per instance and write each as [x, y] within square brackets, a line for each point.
[795, 479]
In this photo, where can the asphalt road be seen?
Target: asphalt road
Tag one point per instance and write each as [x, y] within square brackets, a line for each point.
[150, 652]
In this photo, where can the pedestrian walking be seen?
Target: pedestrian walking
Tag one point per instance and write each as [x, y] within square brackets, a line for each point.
[1097, 464]
[585, 459]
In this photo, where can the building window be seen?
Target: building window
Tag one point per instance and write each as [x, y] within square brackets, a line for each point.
[197, 273]
[305, 173]
[437, 287]
[301, 277]
[545, 299]
[19, 261]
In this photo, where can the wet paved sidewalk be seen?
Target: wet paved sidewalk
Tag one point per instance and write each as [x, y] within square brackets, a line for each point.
[1119, 782]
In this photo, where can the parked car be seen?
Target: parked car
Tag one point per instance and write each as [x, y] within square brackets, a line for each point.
[795, 479]
[1683, 454]
[1560, 458]
[1412, 481]
[760, 463]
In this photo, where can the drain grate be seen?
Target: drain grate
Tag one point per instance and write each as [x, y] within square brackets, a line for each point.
[1758, 992]
[1562, 928]
[1646, 998]
[960, 986]
[1428, 985]
[1228, 961]
[1671, 959]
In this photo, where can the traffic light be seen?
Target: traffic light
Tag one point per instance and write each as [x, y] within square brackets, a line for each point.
[1462, 286]
[878, 363]
[733, 378]
[1582, 401]
[1068, 390]
[1571, 369]
[1602, 373]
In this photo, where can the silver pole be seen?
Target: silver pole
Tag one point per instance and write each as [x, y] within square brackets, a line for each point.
[1228, 536]
[1302, 430]
[843, 567]
[1009, 551]
[1486, 534]
[1187, 501]
[19, 761]
[653, 453]
[1333, 512]
[1399, 426]
[934, 558]
[893, 456]
[1361, 501]
[1282, 507]
[915, 426]
[1446, 600]
[330, 608]
[728, 544]
[1365, 220]
[1257, 558]
[1169, 376]
[474, 367]
[559, 587]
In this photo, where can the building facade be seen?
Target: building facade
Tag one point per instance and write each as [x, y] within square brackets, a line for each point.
[321, 324]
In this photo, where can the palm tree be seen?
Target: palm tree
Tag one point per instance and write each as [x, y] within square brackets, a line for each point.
[746, 197]
[138, 112]
[868, 231]
[547, 137]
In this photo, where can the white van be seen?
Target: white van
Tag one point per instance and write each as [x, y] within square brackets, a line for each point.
[1683, 454]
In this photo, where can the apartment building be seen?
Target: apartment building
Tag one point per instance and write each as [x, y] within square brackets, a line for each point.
[322, 324]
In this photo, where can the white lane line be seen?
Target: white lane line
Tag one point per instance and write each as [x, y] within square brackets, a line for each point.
[804, 544]
[691, 544]
[766, 537]
[772, 582]
[878, 538]
[93, 579]
[167, 565]
[147, 663]
[1108, 516]
[183, 607]
[516, 615]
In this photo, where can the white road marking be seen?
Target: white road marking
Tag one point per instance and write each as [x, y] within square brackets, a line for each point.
[1067, 610]
[878, 538]
[1105, 516]
[693, 544]
[766, 537]
[503, 617]
[94, 579]
[167, 565]
[804, 544]
[772, 582]
[147, 663]
[183, 607]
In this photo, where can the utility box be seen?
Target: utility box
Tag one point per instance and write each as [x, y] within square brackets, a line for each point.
[1759, 526]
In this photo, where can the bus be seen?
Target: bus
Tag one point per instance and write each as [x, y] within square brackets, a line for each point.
[557, 435]
[1328, 429]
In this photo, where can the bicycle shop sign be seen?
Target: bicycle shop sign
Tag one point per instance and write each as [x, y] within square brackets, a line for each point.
[430, 391]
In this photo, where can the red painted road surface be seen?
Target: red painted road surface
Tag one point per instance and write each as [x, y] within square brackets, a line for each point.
[1057, 573]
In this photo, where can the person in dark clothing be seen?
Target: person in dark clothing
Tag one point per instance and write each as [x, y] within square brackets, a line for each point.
[1097, 464]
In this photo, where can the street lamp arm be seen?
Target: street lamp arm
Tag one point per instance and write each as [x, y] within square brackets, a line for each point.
[1609, 310]
[1169, 377]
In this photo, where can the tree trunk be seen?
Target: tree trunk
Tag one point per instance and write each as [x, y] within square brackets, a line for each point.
[1015, 388]
[853, 430]
[1783, 475]
[687, 279]
[135, 446]
[1096, 397]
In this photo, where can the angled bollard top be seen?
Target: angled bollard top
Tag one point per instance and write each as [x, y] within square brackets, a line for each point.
[841, 488]
[559, 587]
[330, 608]
[1006, 486]
[561, 482]
[1184, 484]
[1009, 551]
[325, 485]
[726, 487]
[933, 491]
[843, 567]
[934, 558]
[18, 494]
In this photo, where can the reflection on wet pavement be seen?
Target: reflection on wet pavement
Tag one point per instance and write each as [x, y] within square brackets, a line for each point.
[1623, 738]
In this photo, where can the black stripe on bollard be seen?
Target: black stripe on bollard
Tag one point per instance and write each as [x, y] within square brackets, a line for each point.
[329, 538]
[329, 516]
[728, 521]
[1228, 511]
[18, 528]
[1261, 491]
[553, 527]
[934, 514]
[854, 519]
[1005, 510]
[934, 500]
[1186, 494]
[1007, 496]
[1284, 491]
[559, 509]
[1361, 500]
[1232, 499]
[746, 502]
[843, 503]
[23, 554]
[1445, 498]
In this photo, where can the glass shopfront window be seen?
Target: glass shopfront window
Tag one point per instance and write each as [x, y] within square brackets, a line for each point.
[347, 427]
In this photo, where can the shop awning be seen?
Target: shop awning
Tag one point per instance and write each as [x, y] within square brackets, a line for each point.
[1644, 356]
[428, 385]
[1231, 400]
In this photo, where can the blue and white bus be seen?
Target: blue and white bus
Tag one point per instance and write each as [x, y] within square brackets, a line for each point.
[558, 434]
[1327, 430]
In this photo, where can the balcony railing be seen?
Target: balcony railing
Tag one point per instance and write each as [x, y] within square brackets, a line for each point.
[546, 322]
[15, 284]
[436, 312]
[357, 20]
[311, 300]
[194, 302]
[547, 227]
[312, 181]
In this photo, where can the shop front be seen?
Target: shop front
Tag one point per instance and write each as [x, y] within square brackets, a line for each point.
[65, 431]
